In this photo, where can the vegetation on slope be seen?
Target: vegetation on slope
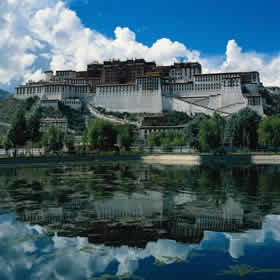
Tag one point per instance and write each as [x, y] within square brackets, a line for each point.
[8, 107]
[3, 94]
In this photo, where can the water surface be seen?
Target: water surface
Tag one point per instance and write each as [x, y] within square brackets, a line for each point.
[136, 221]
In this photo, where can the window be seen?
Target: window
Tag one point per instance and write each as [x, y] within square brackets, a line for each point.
[255, 100]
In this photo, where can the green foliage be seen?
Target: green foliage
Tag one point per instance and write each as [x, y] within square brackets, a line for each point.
[29, 102]
[7, 144]
[8, 107]
[101, 135]
[191, 131]
[241, 128]
[273, 100]
[53, 140]
[33, 127]
[3, 94]
[176, 118]
[17, 131]
[166, 138]
[153, 139]
[211, 133]
[2, 142]
[69, 142]
[84, 141]
[125, 136]
[169, 119]
[76, 119]
[269, 131]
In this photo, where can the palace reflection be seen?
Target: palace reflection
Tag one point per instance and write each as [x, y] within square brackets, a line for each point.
[133, 206]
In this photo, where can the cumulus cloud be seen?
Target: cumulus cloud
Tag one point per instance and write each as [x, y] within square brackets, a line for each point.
[47, 34]
[236, 60]
[239, 241]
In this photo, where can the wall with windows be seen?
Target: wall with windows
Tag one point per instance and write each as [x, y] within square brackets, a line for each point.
[254, 102]
[52, 91]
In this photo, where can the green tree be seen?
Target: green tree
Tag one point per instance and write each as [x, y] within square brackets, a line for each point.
[17, 131]
[33, 127]
[231, 130]
[69, 142]
[243, 126]
[125, 136]
[84, 141]
[53, 140]
[191, 131]
[154, 139]
[269, 131]
[7, 144]
[102, 135]
[211, 133]
[178, 140]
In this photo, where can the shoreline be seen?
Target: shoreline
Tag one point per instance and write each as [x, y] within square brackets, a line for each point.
[165, 159]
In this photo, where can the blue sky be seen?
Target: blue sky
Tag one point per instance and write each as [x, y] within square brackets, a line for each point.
[203, 25]
[68, 34]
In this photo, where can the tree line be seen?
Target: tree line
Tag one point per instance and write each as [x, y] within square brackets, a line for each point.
[244, 130]
[101, 135]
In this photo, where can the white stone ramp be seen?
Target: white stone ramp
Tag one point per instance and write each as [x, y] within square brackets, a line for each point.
[176, 104]
[110, 118]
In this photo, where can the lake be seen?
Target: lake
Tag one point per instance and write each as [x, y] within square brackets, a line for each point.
[129, 220]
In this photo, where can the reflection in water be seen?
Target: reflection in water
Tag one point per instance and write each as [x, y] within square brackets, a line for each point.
[134, 221]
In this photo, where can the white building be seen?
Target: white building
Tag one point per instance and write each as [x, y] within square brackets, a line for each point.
[184, 89]
[224, 93]
[63, 85]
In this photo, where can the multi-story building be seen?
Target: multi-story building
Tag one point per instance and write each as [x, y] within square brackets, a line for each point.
[137, 86]
[224, 93]
[54, 87]
[182, 72]
[117, 71]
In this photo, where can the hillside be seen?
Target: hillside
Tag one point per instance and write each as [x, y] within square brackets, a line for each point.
[3, 94]
[8, 106]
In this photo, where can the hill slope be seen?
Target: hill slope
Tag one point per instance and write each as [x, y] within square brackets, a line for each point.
[8, 106]
[4, 94]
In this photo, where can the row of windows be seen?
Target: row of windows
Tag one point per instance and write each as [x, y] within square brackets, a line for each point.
[210, 78]
[76, 82]
[256, 100]
[51, 89]
[117, 89]
[191, 87]
[133, 93]
[30, 90]
[231, 83]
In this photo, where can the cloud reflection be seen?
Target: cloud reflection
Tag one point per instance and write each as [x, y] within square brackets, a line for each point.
[42, 258]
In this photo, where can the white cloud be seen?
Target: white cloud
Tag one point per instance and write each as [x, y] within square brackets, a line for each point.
[38, 35]
[239, 241]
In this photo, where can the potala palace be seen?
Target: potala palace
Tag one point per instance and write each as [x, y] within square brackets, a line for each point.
[137, 86]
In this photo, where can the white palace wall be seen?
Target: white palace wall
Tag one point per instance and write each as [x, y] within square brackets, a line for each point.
[139, 101]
